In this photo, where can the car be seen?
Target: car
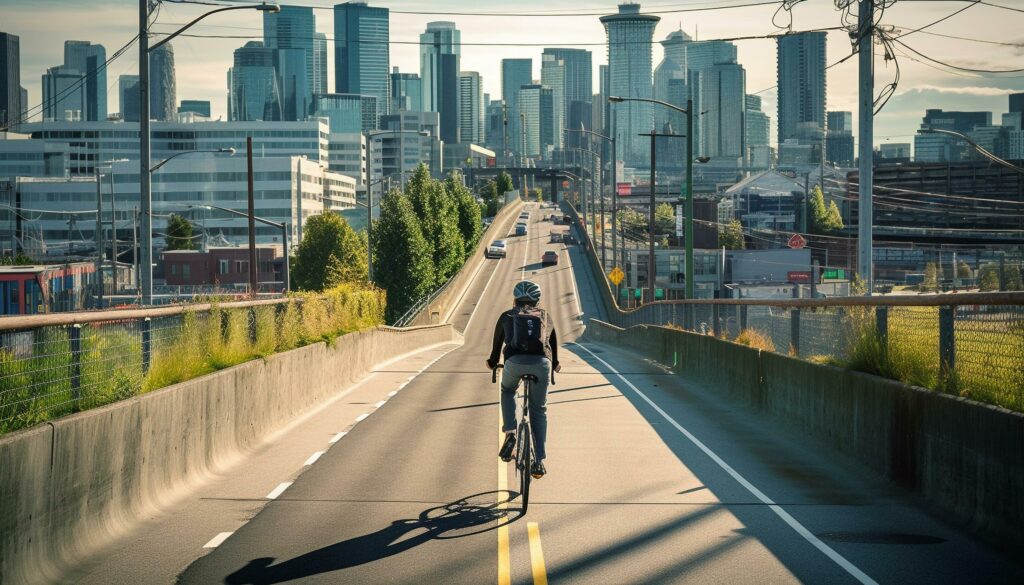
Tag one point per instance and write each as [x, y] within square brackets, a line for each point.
[520, 229]
[495, 250]
[566, 220]
[549, 258]
[524, 216]
[555, 219]
[556, 237]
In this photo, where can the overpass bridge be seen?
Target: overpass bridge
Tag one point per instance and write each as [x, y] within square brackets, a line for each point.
[652, 478]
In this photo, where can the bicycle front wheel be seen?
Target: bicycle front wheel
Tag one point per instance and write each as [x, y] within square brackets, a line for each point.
[525, 460]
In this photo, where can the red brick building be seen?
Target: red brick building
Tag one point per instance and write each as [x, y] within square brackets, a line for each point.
[223, 267]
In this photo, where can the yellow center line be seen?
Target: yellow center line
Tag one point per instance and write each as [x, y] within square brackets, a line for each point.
[540, 573]
[504, 563]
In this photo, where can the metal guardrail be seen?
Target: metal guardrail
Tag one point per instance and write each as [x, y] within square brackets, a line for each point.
[56, 364]
[409, 316]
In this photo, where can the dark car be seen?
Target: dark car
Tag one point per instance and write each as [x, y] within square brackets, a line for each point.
[550, 257]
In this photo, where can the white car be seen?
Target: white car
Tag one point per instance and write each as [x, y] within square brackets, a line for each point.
[495, 250]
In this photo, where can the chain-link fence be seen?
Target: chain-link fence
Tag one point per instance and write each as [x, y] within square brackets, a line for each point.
[55, 369]
[974, 350]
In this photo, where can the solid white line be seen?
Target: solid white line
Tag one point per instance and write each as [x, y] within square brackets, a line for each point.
[482, 295]
[312, 458]
[576, 291]
[381, 403]
[362, 417]
[218, 540]
[338, 437]
[792, 522]
[278, 490]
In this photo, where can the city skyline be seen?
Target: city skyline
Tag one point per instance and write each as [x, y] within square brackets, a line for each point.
[202, 63]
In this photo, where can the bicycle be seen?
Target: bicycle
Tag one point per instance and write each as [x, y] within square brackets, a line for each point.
[524, 435]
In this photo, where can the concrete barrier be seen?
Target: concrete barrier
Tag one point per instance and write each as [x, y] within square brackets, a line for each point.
[439, 310]
[71, 486]
[962, 459]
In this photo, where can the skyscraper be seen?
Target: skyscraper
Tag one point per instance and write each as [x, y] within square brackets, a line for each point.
[839, 139]
[629, 35]
[537, 109]
[128, 93]
[723, 98]
[801, 83]
[362, 57]
[292, 32]
[552, 76]
[11, 106]
[78, 88]
[439, 69]
[1016, 102]
[163, 101]
[758, 133]
[198, 107]
[320, 63]
[406, 91]
[515, 73]
[471, 108]
[672, 71]
[935, 147]
[579, 88]
[252, 85]
[346, 113]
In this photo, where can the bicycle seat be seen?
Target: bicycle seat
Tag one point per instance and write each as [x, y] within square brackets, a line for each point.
[529, 378]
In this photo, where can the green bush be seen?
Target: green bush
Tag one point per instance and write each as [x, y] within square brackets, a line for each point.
[37, 386]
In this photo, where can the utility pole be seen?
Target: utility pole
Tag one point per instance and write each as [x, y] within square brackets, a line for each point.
[253, 273]
[99, 237]
[113, 233]
[145, 184]
[866, 93]
[689, 199]
[652, 265]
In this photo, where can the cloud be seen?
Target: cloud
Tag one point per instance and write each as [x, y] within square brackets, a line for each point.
[973, 90]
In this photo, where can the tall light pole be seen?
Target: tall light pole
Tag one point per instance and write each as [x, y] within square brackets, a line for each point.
[689, 178]
[369, 191]
[866, 112]
[614, 184]
[145, 145]
[283, 226]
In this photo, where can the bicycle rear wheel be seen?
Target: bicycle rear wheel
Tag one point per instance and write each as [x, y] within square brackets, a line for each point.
[524, 460]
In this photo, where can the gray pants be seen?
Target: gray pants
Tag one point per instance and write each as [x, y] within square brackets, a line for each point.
[516, 367]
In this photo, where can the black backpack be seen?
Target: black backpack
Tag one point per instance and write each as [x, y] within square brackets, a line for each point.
[529, 331]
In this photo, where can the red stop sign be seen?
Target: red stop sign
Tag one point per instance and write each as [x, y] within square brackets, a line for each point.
[797, 241]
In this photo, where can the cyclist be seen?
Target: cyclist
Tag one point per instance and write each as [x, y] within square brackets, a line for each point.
[531, 347]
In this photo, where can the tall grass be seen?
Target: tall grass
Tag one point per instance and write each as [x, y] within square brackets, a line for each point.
[36, 384]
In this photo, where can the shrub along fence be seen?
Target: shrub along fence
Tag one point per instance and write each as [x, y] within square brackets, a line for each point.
[53, 365]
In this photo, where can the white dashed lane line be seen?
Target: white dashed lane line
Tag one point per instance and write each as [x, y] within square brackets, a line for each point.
[312, 458]
[279, 490]
[362, 417]
[381, 403]
[338, 437]
[218, 540]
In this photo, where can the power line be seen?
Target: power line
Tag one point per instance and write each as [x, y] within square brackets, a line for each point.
[715, 7]
[957, 67]
[944, 18]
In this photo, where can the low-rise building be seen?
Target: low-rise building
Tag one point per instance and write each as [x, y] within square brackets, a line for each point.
[222, 267]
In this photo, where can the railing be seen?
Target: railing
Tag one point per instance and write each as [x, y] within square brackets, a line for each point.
[57, 364]
[414, 311]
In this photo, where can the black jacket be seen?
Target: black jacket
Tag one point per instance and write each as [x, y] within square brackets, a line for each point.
[503, 331]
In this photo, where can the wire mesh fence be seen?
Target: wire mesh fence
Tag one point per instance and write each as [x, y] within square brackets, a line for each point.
[50, 371]
[975, 351]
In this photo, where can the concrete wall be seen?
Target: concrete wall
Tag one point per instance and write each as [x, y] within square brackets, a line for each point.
[439, 310]
[70, 486]
[963, 459]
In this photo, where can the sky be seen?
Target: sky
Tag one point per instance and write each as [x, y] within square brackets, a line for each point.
[202, 63]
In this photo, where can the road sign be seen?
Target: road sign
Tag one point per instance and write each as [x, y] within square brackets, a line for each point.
[797, 242]
[624, 189]
[798, 276]
[616, 275]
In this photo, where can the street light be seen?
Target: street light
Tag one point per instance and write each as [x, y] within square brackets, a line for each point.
[976, 146]
[228, 151]
[283, 226]
[145, 182]
[369, 191]
[689, 181]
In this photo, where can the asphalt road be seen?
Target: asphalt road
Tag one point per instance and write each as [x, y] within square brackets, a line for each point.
[650, 480]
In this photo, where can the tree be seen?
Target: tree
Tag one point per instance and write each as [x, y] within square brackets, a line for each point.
[504, 185]
[731, 236]
[438, 216]
[963, 270]
[179, 233]
[633, 221]
[1013, 278]
[470, 225]
[988, 277]
[323, 237]
[823, 219]
[405, 264]
[931, 278]
[489, 193]
[19, 259]
[538, 194]
[664, 219]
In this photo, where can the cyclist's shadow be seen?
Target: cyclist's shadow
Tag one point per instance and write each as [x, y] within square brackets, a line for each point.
[463, 517]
